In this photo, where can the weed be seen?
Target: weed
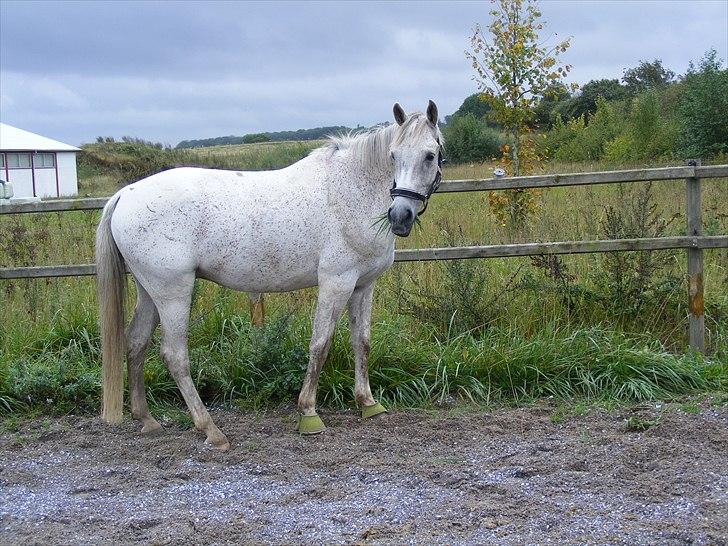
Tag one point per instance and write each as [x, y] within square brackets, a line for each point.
[632, 279]
[558, 416]
[639, 424]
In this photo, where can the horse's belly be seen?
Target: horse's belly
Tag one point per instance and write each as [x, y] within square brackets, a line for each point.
[259, 271]
[261, 260]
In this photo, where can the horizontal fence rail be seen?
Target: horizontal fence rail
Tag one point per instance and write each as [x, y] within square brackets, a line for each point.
[448, 253]
[448, 186]
[568, 247]
[694, 242]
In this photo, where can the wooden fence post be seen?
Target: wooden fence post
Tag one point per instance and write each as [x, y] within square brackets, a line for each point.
[694, 216]
[257, 309]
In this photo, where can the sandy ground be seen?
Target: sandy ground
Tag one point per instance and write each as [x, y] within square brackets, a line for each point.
[509, 476]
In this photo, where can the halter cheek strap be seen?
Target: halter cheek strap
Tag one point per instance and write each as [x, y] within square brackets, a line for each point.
[411, 194]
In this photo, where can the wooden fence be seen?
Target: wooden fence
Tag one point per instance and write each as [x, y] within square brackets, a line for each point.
[694, 242]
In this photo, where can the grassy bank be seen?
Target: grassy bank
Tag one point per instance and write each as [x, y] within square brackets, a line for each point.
[609, 325]
[411, 365]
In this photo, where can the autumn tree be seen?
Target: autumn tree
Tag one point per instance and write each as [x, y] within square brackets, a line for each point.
[514, 71]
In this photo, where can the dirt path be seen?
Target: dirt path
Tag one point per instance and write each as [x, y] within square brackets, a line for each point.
[501, 477]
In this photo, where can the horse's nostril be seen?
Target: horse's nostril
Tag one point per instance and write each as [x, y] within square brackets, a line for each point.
[407, 215]
[389, 214]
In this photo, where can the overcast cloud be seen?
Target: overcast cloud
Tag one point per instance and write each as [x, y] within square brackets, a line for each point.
[168, 71]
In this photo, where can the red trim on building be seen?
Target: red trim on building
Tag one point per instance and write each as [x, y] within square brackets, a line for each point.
[55, 165]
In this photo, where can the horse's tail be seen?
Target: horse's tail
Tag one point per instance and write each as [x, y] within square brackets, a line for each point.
[110, 281]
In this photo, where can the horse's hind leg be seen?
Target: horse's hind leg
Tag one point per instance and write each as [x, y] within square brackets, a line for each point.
[138, 334]
[174, 313]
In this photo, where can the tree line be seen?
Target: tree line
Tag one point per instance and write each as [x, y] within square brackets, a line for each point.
[316, 133]
[649, 113]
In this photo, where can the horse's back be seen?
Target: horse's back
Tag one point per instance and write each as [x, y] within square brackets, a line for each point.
[248, 230]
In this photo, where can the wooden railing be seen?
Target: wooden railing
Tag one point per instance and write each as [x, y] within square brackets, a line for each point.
[694, 242]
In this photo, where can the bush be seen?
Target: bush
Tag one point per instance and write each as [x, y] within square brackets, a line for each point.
[576, 140]
[649, 131]
[470, 139]
[623, 131]
[252, 138]
[704, 108]
[631, 280]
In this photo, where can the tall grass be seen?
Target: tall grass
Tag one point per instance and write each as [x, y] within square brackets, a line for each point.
[108, 165]
[235, 363]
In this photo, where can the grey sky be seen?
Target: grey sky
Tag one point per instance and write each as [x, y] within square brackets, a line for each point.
[168, 71]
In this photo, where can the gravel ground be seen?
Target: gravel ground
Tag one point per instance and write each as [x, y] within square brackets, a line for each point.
[509, 476]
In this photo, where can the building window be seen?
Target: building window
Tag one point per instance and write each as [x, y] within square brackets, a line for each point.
[2, 161]
[19, 161]
[44, 160]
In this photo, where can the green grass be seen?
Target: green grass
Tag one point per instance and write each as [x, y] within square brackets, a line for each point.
[480, 331]
[104, 167]
[639, 424]
[234, 363]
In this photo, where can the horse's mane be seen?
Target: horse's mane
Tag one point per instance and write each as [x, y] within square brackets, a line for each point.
[371, 147]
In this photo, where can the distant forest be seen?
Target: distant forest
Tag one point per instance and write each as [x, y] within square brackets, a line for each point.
[316, 133]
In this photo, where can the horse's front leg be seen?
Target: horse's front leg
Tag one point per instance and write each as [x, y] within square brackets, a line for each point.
[360, 314]
[332, 297]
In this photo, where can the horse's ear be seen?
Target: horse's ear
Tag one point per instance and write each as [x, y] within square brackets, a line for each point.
[432, 113]
[399, 115]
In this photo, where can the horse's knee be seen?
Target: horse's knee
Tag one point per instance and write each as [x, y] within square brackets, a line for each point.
[174, 358]
[135, 353]
[317, 349]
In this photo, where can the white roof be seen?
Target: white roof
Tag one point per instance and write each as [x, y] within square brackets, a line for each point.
[12, 138]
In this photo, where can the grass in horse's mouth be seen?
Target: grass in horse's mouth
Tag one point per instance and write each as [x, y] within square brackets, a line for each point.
[382, 224]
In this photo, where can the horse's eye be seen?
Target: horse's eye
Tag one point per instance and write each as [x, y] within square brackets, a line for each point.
[430, 156]
[392, 155]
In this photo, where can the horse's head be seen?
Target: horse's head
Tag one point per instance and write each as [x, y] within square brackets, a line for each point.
[416, 153]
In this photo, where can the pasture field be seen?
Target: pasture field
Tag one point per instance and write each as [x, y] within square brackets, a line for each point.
[486, 331]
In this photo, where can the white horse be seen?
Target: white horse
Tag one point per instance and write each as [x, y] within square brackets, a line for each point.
[312, 223]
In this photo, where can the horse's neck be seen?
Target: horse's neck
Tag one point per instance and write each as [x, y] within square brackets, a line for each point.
[367, 185]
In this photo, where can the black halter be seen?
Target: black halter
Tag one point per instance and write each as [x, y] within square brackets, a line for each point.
[403, 192]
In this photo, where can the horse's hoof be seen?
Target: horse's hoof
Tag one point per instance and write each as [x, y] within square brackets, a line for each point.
[372, 411]
[219, 444]
[217, 440]
[310, 424]
[152, 427]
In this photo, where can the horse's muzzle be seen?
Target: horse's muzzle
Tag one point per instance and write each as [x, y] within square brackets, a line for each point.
[401, 218]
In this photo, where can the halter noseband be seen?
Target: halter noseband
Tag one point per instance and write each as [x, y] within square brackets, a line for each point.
[403, 192]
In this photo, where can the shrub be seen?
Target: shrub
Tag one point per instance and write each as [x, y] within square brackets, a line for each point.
[576, 140]
[650, 128]
[648, 131]
[252, 138]
[704, 108]
[470, 139]
[631, 280]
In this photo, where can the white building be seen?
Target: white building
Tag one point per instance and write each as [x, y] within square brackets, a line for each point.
[35, 165]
